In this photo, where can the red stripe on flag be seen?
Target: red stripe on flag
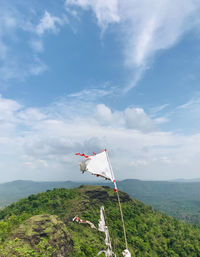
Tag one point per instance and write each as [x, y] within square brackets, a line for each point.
[86, 156]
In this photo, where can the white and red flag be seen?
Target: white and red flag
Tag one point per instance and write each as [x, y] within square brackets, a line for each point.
[97, 164]
[77, 219]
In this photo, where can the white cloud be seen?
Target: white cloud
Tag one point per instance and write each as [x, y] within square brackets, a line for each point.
[145, 26]
[40, 143]
[130, 118]
[106, 11]
[48, 23]
[104, 114]
[8, 106]
[138, 119]
[161, 120]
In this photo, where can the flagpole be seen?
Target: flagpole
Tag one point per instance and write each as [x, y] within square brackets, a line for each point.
[120, 207]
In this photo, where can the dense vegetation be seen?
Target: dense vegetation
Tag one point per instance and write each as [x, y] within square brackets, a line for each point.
[41, 225]
[178, 199]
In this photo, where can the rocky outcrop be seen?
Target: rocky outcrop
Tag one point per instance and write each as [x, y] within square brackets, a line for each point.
[45, 231]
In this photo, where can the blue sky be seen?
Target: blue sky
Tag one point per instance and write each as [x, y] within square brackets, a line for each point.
[82, 75]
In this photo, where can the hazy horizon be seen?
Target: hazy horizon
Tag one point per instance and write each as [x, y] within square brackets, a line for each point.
[102, 180]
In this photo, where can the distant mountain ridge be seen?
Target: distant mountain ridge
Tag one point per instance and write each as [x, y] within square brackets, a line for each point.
[185, 180]
[178, 199]
[15, 190]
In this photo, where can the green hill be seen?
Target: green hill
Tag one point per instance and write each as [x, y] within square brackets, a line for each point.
[41, 225]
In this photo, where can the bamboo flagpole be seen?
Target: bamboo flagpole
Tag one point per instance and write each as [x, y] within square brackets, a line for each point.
[118, 198]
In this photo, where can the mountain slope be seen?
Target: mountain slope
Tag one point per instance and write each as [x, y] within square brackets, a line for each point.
[149, 233]
[178, 199]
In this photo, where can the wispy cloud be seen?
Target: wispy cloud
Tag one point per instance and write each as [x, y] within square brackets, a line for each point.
[157, 109]
[106, 11]
[183, 118]
[94, 94]
[145, 27]
[20, 69]
[26, 61]
[192, 104]
[49, 23]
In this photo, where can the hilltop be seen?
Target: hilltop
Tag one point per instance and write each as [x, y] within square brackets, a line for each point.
[41, 225]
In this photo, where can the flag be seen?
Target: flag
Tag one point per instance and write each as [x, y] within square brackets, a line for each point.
[103, 228]
[97, 164]
[126, 253]
[102, 223]
[77, 219]
[108, 253]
